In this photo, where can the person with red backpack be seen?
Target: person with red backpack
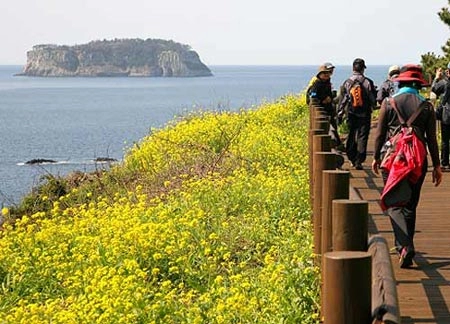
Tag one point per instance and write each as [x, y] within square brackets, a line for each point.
[358, 99]
[404, 174]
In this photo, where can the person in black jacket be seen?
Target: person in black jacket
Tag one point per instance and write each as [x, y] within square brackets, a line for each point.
[407, 100]
[388, 87]
[358, 113]
[320, 92]
[441, 87]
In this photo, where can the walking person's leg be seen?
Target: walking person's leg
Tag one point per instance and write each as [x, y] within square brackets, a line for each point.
[403, 221]
[350, 144]
[363, 137]
[445, 139]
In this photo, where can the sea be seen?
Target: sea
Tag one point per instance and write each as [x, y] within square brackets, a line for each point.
[76, 121]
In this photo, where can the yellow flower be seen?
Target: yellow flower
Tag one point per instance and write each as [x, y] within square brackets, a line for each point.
[5, 211]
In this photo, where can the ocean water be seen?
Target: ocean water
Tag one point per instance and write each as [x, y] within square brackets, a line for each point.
[75, 120]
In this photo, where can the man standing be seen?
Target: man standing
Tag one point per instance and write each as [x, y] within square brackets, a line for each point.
[441, 87]
[320, 93]
[358, 98]
[440, 82]
[388, 87]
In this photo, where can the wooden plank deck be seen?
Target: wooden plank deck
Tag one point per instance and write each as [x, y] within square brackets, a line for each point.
[424, 289]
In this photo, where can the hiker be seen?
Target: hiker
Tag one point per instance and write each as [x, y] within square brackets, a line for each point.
[407, 101]
[358, 99]
[388, 87]
[440, 82]
[441, 87]
[330, 67]
[320, 92]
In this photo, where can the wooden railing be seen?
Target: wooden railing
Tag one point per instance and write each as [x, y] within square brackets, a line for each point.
[358, 283]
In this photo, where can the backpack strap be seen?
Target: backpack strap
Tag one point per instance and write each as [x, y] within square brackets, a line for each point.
[411, 119]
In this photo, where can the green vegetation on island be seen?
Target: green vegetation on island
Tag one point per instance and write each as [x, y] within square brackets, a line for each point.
[118, 57]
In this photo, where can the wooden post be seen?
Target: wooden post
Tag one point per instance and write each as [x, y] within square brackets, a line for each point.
[347, 287]
[311, 134]
[350, 225]
[314, 112]
[335, 185]
[321, 143]
[322, 161]
[322, 123]
[320, 112]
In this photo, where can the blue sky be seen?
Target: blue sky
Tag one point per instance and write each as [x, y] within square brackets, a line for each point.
[242, 32]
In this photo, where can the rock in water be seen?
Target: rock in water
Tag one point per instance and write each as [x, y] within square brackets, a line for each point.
[119, 57]
[40, 161]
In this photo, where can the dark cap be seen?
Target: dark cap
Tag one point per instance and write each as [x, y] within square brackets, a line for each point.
[328, 65]
[359, 64]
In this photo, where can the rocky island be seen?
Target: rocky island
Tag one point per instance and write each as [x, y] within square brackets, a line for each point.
[119, 57]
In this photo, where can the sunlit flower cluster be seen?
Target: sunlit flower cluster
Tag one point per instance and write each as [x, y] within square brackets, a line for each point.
[232, 243]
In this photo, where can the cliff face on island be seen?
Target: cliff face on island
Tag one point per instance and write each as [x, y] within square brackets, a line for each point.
[120, 57]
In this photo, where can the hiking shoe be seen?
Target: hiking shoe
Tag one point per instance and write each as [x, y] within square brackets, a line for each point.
[406, 258]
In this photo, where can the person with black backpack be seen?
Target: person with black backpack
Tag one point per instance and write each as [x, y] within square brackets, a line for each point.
[408, 111]
[358, 99]
[388, 87]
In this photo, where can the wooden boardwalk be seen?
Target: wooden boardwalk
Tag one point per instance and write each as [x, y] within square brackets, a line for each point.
[424, 289]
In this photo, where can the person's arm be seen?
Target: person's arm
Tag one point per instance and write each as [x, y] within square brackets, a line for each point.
[446, 98]
[382, 93]
[430, 133]
[343, 102]
[380, 135]
[438, 84]
[433, 148]
[373, 91]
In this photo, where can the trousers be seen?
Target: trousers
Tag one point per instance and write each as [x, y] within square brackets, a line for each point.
[358, 135]
[445, 140]
[403, 218]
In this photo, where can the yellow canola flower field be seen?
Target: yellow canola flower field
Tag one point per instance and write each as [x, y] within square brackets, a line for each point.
[226, 239]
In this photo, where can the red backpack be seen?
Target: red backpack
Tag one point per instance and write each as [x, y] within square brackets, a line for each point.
[404, 159]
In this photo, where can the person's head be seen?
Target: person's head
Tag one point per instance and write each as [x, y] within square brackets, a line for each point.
[325, 72]
[394, 71]
[411, 75]
[359, 65]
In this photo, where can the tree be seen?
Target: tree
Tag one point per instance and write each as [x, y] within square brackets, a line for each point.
[431, 61]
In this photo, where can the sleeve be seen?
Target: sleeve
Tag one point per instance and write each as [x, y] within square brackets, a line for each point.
[373, 93]
[343, 100]
[446, 98]
[381, 130]
[438, 87]
[313, 90]
[382, 93]
[430, 133]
